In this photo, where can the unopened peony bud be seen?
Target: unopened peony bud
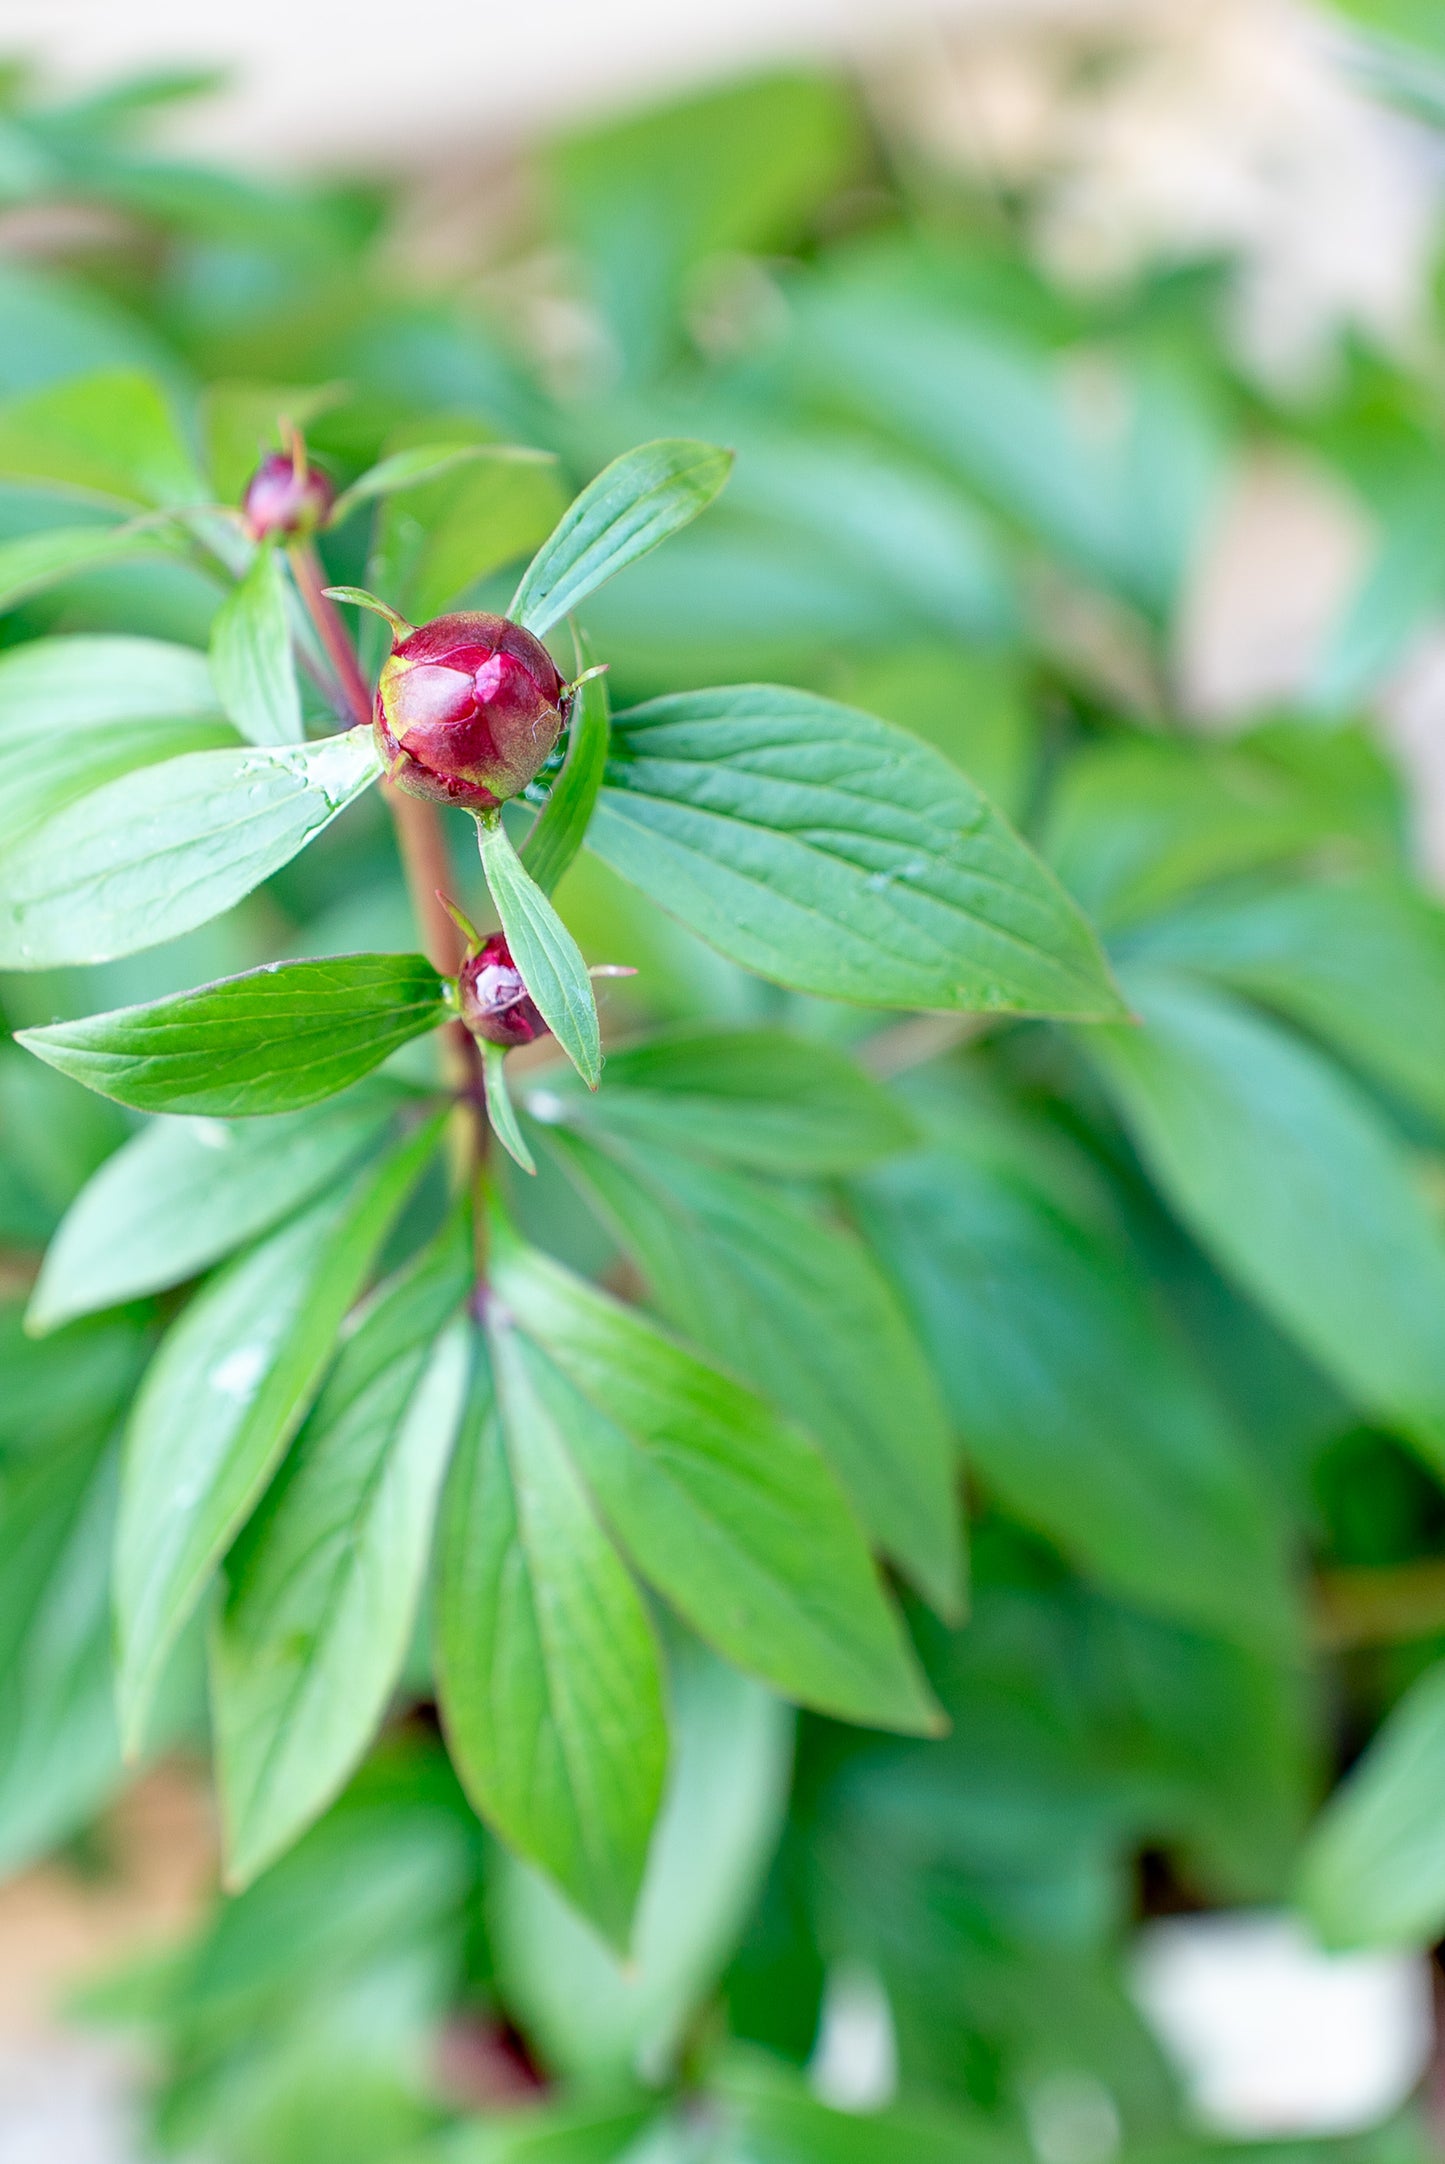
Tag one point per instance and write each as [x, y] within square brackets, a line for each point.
[284, 502]
[468, 709]
[495, 1003]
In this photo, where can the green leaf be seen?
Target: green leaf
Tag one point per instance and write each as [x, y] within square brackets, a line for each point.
[323, 1585]
[1374, 1869]
[1286, 1175]
[154, 854]
[108, 435]
[633, 504]
[778, 2120]
[438, 538]
[499, 1106]
[544, 951]
[728, 1510]
[751, 1097]
[251, 658]
[274, 1040]
[103, 706]
[826, 850]
[794, 1305]
[1072, 1395]
[1359, 962]
[39, 560]
[421, 463]
[599, 2020]
[548, 1673]
[561, 826]
[222, 1399]
[183, 1193]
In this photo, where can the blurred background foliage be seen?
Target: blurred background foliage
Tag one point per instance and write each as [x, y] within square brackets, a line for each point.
[1182, 1289]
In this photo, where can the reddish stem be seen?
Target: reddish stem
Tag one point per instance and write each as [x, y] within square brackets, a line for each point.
[311, 584]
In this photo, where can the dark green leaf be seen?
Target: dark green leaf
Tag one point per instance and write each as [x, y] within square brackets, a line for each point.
[831, 852]
[752, 1097]
[322, 1586]
[600, 2020]
[1361, 963]
[154, 854]
[1374, 1870]
[274, 1040]
[561, 827]
[730, 1512]
[544, 951]
[633, 504]
[222, 1399]
[1072, 1395]
[1288, 1177]
[548, 1673]
[251, 657]
[108, 435]
[183, 1193]
[794, 1306]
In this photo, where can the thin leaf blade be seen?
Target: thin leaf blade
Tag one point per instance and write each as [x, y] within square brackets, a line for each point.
[548, 957]
[251, 657]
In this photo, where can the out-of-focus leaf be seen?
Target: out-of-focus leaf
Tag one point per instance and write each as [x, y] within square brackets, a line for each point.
[633, 504]
[751, 1097]
[184, 1192]
[1374, 1871]
[1292, 1182]
[108, 435]
[420, 463]
[548, 1672]
[779, 2121]
[824, 849]
[1073, 1397]
[732, 1514]
[594, 2016]
[38, 560]
[154, 854]
[795, 1306]
[222, 1399]
[251, 658]
[1361, 963]
[322, 1586]
[436, 539]
[274, 1040]
[241, 424]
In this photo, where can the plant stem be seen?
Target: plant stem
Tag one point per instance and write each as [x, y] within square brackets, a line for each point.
[323, 612]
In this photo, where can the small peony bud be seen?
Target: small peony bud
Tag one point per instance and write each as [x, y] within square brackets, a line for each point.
[468, 709]
[285, 503]
[495, 1003]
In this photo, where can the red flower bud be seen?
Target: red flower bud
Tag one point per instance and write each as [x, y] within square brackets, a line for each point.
[282, 502]
[468, 710]
[495, 1003]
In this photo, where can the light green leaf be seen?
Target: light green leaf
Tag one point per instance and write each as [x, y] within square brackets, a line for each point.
[39, 560]
[794, 1305]
[222, 1399]
[251, 658]
[183, 1193]
[424, 462]
[274, 1040]
[1359, 962]
[548, 1673]
[561, 826]
[109, 435]
[1288, 1177]
[323, 1585]
[752, 1097]
[103, 707]
[833, 853]
[154, 854]
[438, 538]
[544, 951]
[730, 1512]
[499, 1106]
[633, 504]
[597, 2019]
[1374, 1870]
[1071, 1394]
